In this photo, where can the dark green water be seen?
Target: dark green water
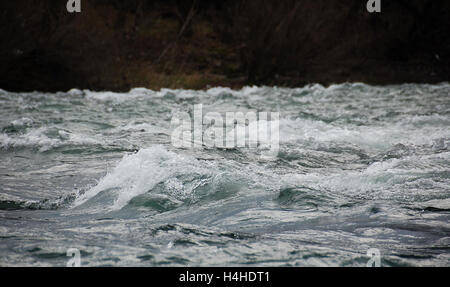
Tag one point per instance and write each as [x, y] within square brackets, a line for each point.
[359, 167]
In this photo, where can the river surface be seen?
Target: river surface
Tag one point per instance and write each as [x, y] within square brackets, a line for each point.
[358, 168]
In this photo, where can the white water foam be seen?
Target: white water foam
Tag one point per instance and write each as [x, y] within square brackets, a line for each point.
[118, 97]
[39, 139]
[138, 173]
[377, 138]
[401, 179]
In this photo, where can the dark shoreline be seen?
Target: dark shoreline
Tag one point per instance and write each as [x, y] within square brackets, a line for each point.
[116, 46]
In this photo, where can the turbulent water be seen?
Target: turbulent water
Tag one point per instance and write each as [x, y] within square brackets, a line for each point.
[359, 167]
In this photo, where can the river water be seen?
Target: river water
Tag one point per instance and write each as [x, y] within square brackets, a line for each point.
[359, 167]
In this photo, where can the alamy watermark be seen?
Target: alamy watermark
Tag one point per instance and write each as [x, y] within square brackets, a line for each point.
[375, 257]
[372, 6]
[73, 6]
[227, 130]
[75, 257]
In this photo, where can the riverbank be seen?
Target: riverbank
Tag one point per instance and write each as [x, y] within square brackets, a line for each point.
[116, 46]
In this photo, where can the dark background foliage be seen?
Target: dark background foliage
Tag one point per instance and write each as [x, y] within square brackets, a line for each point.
[116, 45]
